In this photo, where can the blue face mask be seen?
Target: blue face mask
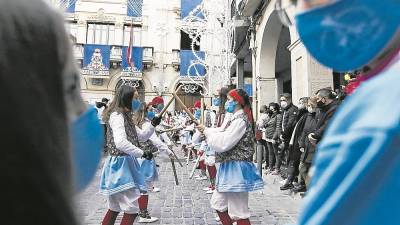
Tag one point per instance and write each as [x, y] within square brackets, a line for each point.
[87, 142]
[197, 114]
[151, 115]
[217, 101]
[230, 106]
[160, 107]
[348, 34]
[136, 105]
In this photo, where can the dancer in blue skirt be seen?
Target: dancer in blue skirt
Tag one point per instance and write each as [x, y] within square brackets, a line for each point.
[148, 167]
[121, 180]
[237, 175]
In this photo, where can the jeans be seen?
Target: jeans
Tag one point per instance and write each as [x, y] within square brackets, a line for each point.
[275, 159]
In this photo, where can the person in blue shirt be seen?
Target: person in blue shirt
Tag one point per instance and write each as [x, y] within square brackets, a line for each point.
[356, 172]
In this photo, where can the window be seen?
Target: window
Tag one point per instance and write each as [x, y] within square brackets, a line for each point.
[101, 34]
[136, 35]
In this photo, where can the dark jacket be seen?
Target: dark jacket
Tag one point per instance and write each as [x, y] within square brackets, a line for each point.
[323, 117]
[310, 125]
[273, 126]
[289, 120]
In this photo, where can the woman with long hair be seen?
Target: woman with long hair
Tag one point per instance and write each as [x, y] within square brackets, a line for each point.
[121, 180]
[148, 166]
[234, 147]
[45, 123]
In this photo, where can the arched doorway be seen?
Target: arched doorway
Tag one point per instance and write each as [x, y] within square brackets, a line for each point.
[273, 62]
[138, 84]
[189, 93]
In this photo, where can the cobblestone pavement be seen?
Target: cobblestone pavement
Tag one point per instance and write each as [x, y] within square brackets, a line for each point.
[188, 203]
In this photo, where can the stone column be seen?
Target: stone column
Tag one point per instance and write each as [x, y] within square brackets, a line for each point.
[308, 76]
[268, 91]
[81, 32]
[119, 33]
[240, 72]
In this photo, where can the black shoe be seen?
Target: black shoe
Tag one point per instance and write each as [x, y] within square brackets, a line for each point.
[300, 188]
[157, 165]
[286, 186]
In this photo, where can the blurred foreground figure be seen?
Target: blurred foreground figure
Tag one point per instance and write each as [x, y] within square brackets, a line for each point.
[357, 167]
[48, 135]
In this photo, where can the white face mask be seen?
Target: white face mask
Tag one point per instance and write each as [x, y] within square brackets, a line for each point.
[310, 109]
[284, 104]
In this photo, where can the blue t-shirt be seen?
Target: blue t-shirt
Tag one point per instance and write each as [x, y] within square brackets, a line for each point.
[357, 166]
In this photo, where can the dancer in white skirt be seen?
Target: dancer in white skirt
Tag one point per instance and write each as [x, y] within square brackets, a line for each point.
[234, 147]
[121, 179]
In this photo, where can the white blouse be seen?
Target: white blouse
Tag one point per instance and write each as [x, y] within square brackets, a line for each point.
[120, 137]
[160, 145]
[221, 140]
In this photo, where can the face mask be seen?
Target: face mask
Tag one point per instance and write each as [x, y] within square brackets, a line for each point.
[310, 109]
[160, 107]
[197, 114]
[230, 106]
[301, 106]
[346, 35]
[151, 115]
[87, 142]
[284, 104]
[136, 105]
[320, 104]
[217, 101]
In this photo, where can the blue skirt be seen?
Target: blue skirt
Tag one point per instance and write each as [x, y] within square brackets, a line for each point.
[149, 170]
[121, 173]
[238, 176]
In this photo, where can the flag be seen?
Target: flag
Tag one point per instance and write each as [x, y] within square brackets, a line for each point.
[129, 50]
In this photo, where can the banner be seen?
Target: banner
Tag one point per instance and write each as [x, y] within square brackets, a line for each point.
[68, 5]
[188, 5]
[134, 8]
[137, 59]
[96, 60]
[248, 88]
[188, 59]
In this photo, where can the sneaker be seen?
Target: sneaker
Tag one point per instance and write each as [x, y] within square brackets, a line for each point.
[197, 176]
[148, 220]
[286, 186]
[210, 191]
[207, 188]
[300, 188]
[144, 217]
[202, 178]
[275, 172]
[217, 219]
[155, 189]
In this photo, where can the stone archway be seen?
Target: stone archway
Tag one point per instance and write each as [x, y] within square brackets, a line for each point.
[273, 59]
[188, 95]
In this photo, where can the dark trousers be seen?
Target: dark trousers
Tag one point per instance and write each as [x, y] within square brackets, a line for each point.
[265, 154]
[304, 168]
[293, 165]
[275, 158]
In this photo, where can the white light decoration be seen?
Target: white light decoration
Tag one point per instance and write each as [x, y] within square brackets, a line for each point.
[211, 19]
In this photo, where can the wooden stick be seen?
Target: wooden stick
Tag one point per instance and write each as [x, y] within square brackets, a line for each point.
[169, 130]
[176, 157]
[202, 110]
[170, 102]
[185, 109]
[174, 170]
[195, 167]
